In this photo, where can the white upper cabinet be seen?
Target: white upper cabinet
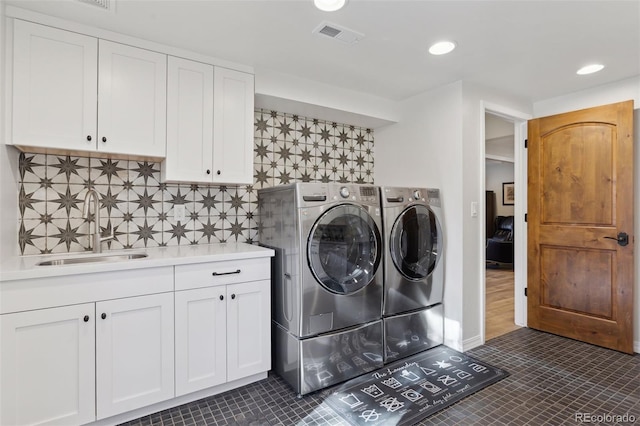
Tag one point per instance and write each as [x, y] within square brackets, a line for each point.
[132, 95]
[233, 127]
[55, 88]
[210, 124]
[189, 121]
[75, 92]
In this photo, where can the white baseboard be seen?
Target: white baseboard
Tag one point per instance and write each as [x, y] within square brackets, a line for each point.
[636, 346]
[174, 402]
[471, 343]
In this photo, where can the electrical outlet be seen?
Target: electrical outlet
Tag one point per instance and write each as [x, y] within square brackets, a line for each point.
[179, 212]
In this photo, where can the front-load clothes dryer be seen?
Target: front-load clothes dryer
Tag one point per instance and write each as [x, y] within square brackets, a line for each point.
[327, 280]
[413, 270]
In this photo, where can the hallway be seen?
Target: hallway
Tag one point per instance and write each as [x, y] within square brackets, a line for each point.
[499, 313]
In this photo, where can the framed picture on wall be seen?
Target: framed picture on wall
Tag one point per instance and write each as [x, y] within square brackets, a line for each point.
[508, 193]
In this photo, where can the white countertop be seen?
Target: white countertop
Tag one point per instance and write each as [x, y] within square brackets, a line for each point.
[25, 267]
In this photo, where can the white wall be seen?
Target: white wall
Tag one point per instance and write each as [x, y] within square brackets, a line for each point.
[8, 168]
[424, 149]
[438, 142]
[496, 173]
[297, 95]
[610, 93]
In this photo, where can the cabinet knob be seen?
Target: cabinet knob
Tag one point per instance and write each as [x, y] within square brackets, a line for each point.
[89, 138]
[86, 318]
[104, 139]
[233, 296]
[103, 316]
[208, 171]
[221, 297]
[218, 172]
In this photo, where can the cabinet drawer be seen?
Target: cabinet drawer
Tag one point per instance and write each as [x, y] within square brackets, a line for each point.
[221, 273]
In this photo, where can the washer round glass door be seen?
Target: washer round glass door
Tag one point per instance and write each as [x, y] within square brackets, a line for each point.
[414, 242]
[344, 249]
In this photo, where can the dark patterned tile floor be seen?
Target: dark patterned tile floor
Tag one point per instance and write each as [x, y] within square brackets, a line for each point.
[553, 381]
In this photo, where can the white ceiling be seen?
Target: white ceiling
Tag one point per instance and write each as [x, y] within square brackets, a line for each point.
[530, 49]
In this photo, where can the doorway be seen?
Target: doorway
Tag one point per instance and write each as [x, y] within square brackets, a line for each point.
[499, 216]
[504, 165]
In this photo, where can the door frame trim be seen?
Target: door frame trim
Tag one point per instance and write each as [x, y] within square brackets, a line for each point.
[519, 120]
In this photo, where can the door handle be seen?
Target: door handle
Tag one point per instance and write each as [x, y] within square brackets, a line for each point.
[622, 238]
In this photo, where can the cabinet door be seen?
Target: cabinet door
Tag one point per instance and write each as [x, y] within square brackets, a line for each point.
[48, 366]
[248, 329]
[55, 78]
[233, 127]
[134, 353]
[132, 95]
[201, 333]
[189, 121]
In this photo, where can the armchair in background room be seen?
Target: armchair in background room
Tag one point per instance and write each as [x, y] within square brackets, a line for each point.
[500, 245]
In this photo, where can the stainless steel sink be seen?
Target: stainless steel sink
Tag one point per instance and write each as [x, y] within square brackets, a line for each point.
[92, 259]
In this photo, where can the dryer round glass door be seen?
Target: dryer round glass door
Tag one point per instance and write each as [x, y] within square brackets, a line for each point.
[414, 242]
[344, 249]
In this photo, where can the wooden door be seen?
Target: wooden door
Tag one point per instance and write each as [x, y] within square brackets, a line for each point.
[48, 366]
[134, 353]
[132, 97]
[201, 339]
[248, 329]
[580, 199]
[55, 80]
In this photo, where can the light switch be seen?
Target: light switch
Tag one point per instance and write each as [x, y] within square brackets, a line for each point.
[474, 209]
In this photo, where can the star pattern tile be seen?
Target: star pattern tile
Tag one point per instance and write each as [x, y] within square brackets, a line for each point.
[138, 208]
[31, 167]
[68, 235]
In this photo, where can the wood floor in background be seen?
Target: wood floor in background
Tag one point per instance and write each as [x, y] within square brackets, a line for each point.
[499, 316]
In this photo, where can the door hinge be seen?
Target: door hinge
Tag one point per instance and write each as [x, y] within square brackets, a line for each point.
[525, 292]
[526, 142]
[525, 217]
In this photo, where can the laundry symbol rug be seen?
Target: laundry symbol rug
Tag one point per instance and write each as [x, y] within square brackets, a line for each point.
[406, 391]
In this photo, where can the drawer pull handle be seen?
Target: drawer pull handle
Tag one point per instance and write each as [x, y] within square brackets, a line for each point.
[86, 318]
[221, 297]
[233, 296]
[217, 274]
[103, 316]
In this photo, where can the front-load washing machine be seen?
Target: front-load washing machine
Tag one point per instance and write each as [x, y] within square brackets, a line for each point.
[327, 280]
[413, 270]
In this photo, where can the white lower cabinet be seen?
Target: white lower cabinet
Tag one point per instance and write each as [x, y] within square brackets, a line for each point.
[76, 349]
[248, 329]
[73, 364]
[134, 353]
[223, 334]
[48, 366]
[201, 333]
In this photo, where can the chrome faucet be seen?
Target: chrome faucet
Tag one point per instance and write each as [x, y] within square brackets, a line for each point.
[97, 238]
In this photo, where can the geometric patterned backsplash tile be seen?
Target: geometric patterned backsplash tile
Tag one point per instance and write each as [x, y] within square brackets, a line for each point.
[139, 209]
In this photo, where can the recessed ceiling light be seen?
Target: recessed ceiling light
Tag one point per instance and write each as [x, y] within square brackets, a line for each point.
[589, 69]
[329, 5]
[442, 47]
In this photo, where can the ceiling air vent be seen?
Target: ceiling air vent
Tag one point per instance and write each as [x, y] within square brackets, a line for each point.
[337, 32]
[106, 5]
